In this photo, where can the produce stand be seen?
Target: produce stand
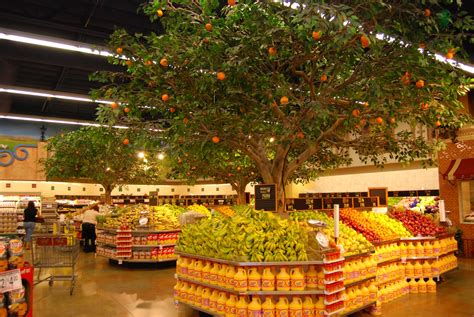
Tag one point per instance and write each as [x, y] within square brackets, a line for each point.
[137, 246]
[331, 290]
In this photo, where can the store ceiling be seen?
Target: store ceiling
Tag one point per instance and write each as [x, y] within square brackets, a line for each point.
[31, 66]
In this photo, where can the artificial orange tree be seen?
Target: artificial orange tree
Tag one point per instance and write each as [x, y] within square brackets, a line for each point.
[104, 156]
[296, 87]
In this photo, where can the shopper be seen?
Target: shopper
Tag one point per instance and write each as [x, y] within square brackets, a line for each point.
[29, 219]
[89, 222]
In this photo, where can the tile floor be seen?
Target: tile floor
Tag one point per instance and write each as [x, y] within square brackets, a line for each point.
[105, 289]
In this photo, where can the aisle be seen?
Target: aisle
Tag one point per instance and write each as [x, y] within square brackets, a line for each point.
[145, 291]
[110, 290]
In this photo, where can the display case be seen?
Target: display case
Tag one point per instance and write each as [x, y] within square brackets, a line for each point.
[125, 245]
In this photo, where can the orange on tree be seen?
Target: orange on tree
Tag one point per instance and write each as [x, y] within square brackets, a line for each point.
[356, 112]
[420, 83]
[406, 78]
[231, 2]
[185, 120]
[284, 100]
[129, 63]
[364, 41]
[366, 104]
[216, 139]
[324, 77]
[272, 51]
[427, 12]
[125, 141]
[438, 123]
[126, 110]
[119, 50]
[316, 35]
[425, 106]
[379, 120]
[165, 97]
[300, 135]
[172, 110]
[159, 13]
[449, 55]
[164, 62]
[148, 63]
[114, 105]
[208, 27]
[392, 120]
[220, 75]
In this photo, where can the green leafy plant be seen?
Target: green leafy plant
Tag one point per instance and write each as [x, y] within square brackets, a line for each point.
[107, 156]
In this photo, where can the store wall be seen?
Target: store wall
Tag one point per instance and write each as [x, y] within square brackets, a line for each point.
[29, 169]
[357, 180]
[449, 190]
[50, 189]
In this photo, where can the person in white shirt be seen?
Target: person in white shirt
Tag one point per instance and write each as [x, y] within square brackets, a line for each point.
[89, 222]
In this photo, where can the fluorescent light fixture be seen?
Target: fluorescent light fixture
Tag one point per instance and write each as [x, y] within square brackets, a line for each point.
[56, 121]
[46, 41]
[49, 94]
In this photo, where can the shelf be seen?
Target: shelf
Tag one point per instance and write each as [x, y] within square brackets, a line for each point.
[418, 238]
[359, 255]
[120, 260]
[418, 277]
[243, 293]
[450, 270]
[420, 258]
[333, 302]
[355, 310]
[332, 282]
[234, 263]
[332, 272]
[159, 246]
[359, 282]
[115, 230]
[201, 309]
[336, 312]
[388, 261]
[386, 242]
[378, 284]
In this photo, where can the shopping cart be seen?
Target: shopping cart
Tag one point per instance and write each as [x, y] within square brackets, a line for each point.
[55, 251]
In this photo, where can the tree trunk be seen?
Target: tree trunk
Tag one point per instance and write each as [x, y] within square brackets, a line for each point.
[108, 193]
[239, 187]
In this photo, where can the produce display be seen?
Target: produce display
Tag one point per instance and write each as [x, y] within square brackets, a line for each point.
[417, 224]
[351, 241]
[225, 210]
[372, 230]
[250, 235]
[385, 220]
[163, 217]
[199, 208]
[426, 205]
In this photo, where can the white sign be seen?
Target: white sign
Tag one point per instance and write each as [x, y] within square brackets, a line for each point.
[442, 211]
[336, 221]
[10, 280]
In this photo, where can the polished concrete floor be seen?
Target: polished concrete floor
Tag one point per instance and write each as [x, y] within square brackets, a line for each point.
[105, 289]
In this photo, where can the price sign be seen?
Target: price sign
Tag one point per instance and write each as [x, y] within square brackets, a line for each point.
[10, 280]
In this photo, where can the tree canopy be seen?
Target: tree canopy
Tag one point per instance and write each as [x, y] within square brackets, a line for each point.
[103, 155]
[321, 79]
